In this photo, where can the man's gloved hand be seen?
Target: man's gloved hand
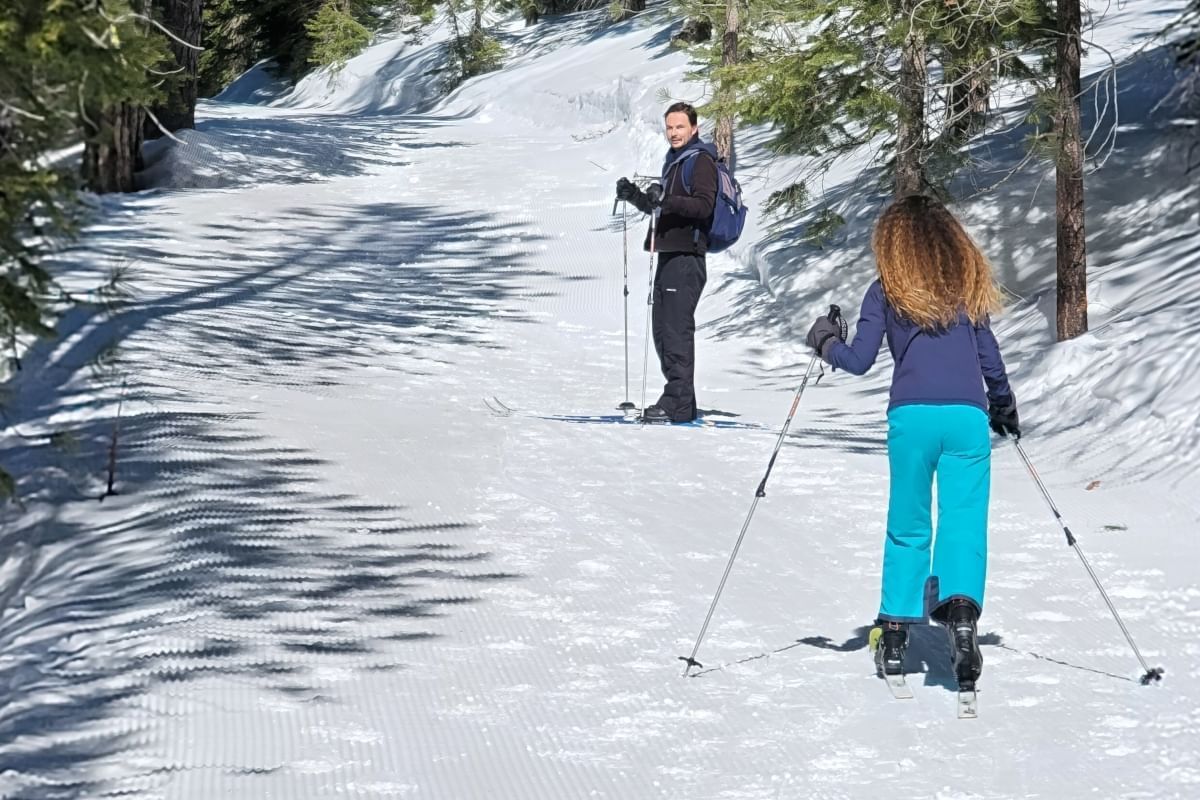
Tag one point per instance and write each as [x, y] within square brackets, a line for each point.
[1002, 415]
[645, 201]
[654, 195]
[627, 190]
[650, 200]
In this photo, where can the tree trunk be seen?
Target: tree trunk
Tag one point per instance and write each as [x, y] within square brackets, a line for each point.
[185, 19]
[968, 94]
[1072, 243]
[629, 8]
[910, 137]
[729, 48]
[113, 150]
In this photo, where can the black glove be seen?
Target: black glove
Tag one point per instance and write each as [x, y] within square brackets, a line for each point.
[823, 334]
[627, 190]
[654, 195]
[645, 201]
[1002, 414]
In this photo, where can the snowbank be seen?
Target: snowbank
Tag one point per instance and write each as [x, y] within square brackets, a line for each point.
[392, 76]
[194, 160]
[256, 86]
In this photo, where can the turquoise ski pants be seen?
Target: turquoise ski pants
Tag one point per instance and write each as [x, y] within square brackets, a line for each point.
[953, 443]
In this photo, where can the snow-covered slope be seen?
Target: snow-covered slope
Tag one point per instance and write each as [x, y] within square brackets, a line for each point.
[330, 570]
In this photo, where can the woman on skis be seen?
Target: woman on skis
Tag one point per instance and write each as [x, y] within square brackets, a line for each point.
[932, 302]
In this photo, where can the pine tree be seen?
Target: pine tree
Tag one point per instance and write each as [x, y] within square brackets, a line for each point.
[51, 55]
[233, 42]
[723, 136]
[1072, 317]
[473, 52]
[911, 88]
[621, 10]
[184, 20]
[295, 35]
[335, 35]
[831, 78]
[118, 94]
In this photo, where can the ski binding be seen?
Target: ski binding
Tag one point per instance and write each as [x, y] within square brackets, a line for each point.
[967, 706]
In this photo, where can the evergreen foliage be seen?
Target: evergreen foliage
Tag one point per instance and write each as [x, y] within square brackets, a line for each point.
[59, 63]
[826, 75]
[335, 36]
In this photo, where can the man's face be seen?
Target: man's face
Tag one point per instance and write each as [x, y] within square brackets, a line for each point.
[680, 129]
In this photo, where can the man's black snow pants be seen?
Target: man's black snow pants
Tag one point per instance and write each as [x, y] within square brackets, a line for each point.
[677, 287]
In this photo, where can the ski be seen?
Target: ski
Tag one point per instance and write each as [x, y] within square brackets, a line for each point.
[899, 687]
[968, 708]
[500, 409]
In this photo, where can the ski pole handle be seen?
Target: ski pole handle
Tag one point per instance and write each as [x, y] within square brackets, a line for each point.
[615, 204]
[835, 316]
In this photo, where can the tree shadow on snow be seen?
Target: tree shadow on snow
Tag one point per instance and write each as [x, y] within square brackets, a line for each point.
[231, 151]
[234, 562]
[301, 296]
[222, 529]
[578, 28]
[231, 529]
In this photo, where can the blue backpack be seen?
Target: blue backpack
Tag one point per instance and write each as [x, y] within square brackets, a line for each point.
[729, 212]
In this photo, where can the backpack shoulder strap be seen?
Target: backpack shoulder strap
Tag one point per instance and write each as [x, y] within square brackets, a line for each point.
[688, 163]
[689, 169]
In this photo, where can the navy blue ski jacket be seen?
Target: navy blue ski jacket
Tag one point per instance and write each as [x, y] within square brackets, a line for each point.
[943, 367]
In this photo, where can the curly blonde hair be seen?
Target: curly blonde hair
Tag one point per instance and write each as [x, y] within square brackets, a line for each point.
[930, 268]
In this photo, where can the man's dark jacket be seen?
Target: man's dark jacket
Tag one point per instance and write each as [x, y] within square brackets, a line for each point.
[684, 219]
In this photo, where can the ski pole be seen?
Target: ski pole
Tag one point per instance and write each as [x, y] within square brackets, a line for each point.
[627, 405]
[649, 313]
[1150, 675]
[835, 316]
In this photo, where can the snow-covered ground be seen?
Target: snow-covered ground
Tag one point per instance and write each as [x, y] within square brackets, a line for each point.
[329, 570]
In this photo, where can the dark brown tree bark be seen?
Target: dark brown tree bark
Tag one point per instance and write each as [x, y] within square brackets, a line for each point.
[910, 137]
[113, 150]
[184, 18]
[729, 51]
[1072, 318]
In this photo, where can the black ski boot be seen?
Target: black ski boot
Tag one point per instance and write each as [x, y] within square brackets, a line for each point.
[655, 415]
[889, 651]
[964, 645]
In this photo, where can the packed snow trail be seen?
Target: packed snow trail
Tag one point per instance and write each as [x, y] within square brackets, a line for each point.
[331, 571]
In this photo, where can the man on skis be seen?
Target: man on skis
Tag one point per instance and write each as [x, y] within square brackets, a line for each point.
[682, 207]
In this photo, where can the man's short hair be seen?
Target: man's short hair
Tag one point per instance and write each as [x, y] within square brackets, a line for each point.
[682, 108]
